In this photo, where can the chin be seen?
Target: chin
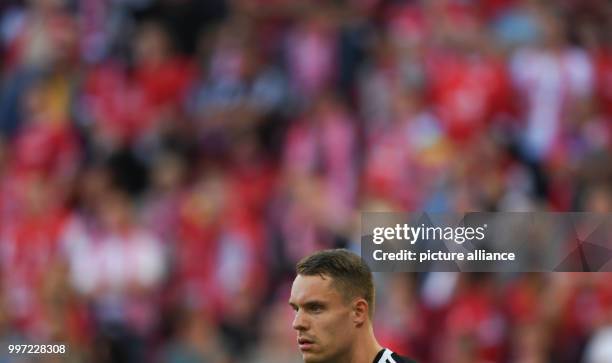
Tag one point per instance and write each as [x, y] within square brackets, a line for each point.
[309, 357]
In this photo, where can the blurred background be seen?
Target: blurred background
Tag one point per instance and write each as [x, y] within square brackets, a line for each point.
[164, 164]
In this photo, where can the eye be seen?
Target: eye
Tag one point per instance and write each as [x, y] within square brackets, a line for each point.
[316, 308]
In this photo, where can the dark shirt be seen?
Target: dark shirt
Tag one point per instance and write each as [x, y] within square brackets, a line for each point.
[387, 356]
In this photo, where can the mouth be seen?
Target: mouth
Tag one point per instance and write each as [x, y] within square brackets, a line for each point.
[305, 344]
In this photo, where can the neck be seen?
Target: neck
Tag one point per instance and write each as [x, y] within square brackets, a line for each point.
[364, 349]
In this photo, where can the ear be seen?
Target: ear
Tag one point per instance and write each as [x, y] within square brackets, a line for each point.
[360, 311]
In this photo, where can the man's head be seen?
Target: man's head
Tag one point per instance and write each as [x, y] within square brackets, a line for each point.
[333, 297]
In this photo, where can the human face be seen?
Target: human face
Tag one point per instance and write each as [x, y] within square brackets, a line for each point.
[322, 320]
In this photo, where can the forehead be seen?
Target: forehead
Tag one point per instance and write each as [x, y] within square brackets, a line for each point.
[316, 287]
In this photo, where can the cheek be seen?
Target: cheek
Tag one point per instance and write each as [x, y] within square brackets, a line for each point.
[336, 328]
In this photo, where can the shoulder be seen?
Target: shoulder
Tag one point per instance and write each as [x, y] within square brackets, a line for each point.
[399, 359]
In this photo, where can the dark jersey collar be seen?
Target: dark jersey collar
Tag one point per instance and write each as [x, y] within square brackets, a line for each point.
[378, 356]
[387, 356]
[383, 353]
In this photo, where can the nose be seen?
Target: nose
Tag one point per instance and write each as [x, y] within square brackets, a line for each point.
[300, 322]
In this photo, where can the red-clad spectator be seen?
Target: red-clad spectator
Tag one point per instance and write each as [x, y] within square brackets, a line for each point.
[603, 81]
[46, 143]
[126, 106]
[585, 308]
[221, 238]
[468, 91]
[51, 150]
[201, 212]
[476, 313]
[407, 24]
[522, 299]
[118, 108]
[400, 322]
[492, 9]
[29, 247]
[162, 76]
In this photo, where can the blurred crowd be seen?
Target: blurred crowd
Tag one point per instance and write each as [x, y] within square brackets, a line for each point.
[164, 164]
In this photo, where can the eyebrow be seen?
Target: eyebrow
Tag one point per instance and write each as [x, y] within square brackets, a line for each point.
[309, 304]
